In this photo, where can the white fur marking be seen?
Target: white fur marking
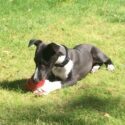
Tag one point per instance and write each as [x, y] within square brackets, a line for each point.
[63, 72]
[36, 74]
[60, 59]
[50, 86]
[95, 68]
[111, 67]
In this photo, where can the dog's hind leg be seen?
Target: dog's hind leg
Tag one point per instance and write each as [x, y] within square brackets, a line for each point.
[95, 68]
[99, 58]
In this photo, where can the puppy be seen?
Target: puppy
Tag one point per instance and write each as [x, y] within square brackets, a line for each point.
[62, 66]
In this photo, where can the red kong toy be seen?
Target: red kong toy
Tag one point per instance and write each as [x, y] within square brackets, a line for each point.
[31, 86]
[43, 87]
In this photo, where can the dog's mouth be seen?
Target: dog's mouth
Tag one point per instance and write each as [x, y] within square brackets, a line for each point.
[43, 71]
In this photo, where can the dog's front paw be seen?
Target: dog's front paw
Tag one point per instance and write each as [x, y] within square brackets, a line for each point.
[43, 90]
[40, 92]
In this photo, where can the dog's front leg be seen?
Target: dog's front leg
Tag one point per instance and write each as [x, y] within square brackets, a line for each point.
[69, 83]
[51, 86]
[72, 79]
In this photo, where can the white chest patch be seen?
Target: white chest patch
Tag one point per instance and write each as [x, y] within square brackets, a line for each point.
[63, 72]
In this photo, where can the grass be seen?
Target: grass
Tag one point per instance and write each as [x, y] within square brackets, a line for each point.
[99, 99]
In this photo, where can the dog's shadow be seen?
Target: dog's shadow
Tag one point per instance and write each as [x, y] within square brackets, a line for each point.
[16, 85]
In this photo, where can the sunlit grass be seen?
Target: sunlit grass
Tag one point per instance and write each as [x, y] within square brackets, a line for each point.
[96, 100]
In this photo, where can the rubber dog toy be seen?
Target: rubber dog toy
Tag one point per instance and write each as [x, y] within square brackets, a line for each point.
[31, 86]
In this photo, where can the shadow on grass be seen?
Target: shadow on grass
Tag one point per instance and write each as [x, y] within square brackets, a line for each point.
[81, 109]
[84, 110]
[17, 85]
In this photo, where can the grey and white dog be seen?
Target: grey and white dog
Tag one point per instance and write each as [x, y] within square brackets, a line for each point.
[64, 66]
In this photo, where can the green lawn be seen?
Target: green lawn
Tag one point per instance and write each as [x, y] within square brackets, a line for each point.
[99, 99]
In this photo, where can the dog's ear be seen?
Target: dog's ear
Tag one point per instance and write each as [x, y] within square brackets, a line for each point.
[34, 42]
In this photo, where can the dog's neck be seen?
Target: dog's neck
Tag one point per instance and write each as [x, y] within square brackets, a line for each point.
[63, 59]
[60, 59]
[63, 65]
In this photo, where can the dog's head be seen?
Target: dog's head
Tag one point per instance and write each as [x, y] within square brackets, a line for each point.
[46, 56]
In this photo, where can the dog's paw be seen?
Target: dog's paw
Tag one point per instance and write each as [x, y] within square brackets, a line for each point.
[95, 68]
[40, 92]
[111, 67]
